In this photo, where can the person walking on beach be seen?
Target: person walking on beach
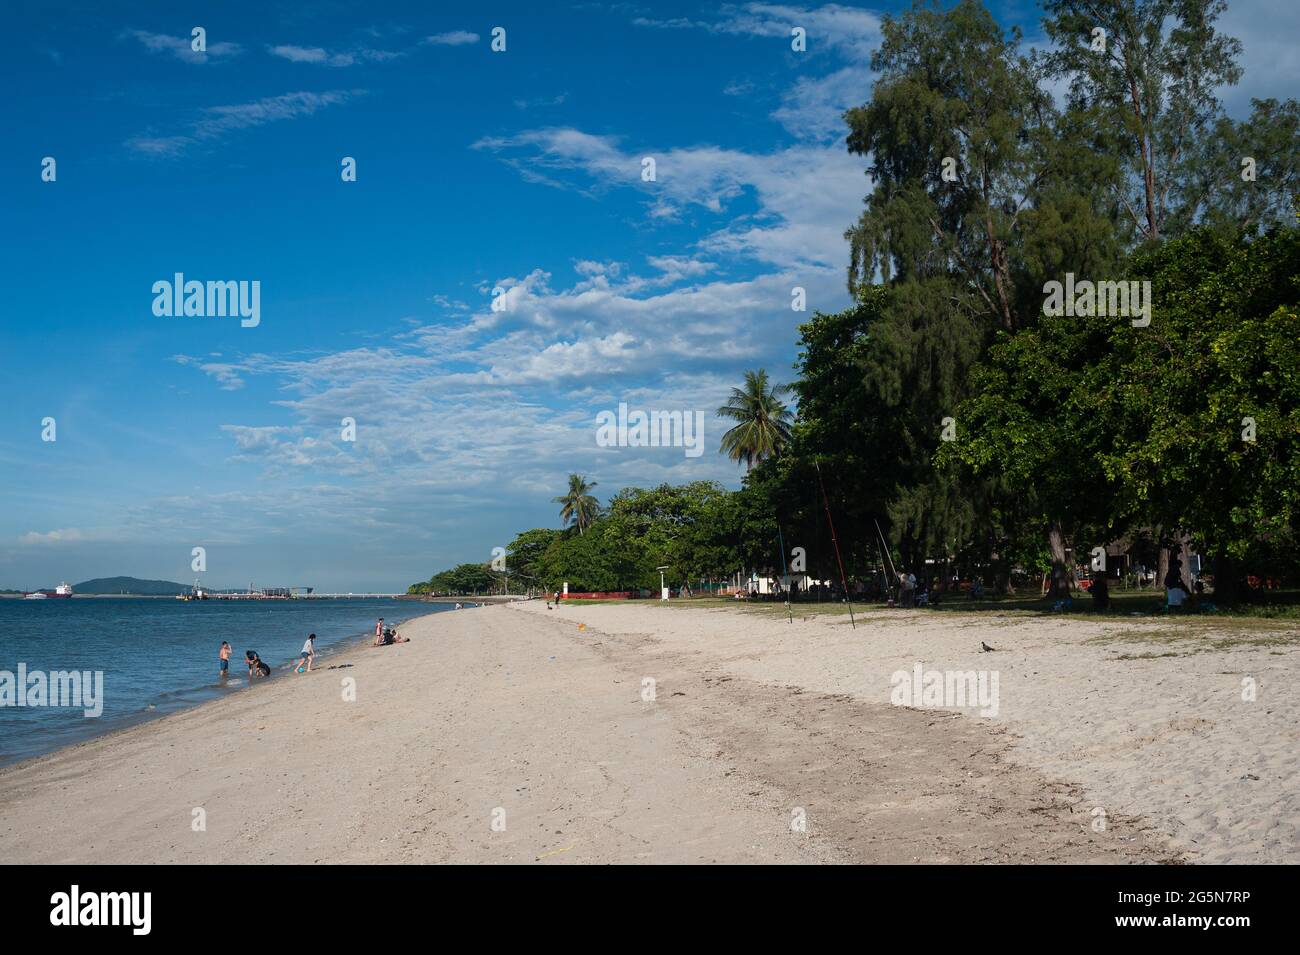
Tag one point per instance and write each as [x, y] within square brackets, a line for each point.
[308, 654]
[225, 659]
[379, 631]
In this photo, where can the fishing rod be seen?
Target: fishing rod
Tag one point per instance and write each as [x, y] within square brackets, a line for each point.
[784, 573]
[889, 557]
[885, 549]
[843, 582]
[884, 568]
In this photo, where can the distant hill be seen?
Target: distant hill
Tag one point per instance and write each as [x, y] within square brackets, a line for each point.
[131, 585]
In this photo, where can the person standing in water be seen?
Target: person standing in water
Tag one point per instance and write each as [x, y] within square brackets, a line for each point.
[225, 659]
[308, 655]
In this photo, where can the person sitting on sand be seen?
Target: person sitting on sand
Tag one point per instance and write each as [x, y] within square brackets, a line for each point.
[389, 637]
[256, 666]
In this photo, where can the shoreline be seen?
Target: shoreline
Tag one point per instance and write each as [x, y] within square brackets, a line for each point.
[541, 719]
[191, 697]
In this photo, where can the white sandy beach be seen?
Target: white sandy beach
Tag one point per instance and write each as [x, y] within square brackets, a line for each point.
[514, 714]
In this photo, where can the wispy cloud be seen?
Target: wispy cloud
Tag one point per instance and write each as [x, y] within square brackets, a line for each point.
[452, 38]
[226, 375]
[217, 122]
[813, 108]
[323, 57]
[802, 191]
[541, 101]
[65, 535]
[852, 31]
[180, 46]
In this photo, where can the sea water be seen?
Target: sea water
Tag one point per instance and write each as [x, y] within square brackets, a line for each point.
[160, 655]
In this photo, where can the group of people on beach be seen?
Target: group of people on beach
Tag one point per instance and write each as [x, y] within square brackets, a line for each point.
[259, 668]
[386, 636]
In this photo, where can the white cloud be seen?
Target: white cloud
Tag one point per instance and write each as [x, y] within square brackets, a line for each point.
[508, 399]
[180, 46]
[850, 31]
[484, 406]
[804, 193]
[453, 38]
[66, 535]
[323, 57]
[226, 375]
[813, 109]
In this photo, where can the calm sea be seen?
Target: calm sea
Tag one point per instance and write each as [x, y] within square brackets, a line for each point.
[160, 655]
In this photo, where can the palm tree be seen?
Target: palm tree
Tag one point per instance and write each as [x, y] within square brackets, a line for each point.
[764, 420]
[579, 506]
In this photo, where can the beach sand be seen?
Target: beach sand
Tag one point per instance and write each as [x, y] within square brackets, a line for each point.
[507, 734]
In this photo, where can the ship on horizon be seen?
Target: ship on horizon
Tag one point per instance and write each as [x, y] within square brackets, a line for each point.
[196, 593]
[63, 590]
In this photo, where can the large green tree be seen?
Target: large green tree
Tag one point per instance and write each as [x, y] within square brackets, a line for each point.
[982, 190]
[524, 553]
[1191, 425]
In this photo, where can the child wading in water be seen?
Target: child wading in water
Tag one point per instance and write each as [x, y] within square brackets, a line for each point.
[225, 659]
[308, 654]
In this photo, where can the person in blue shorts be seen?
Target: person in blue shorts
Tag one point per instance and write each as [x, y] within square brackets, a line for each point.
[225, 659]
[308, 655]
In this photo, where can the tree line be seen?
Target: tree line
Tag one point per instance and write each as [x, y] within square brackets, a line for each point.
[963, 412]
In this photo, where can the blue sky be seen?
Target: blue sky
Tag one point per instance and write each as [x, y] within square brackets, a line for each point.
[476, 170]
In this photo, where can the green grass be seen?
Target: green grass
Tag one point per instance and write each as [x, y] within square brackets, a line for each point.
[586, 601]
[1203, 635]
[1282, 607]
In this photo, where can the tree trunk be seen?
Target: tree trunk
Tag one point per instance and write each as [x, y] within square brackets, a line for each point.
[1000, 582]
[1162, 560]
[1180, 546]
[1227, 588]
[1060, 572]
[1185, 555]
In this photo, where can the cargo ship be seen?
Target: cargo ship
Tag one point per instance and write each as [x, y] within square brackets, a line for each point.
[198, 593]
[63, 590]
